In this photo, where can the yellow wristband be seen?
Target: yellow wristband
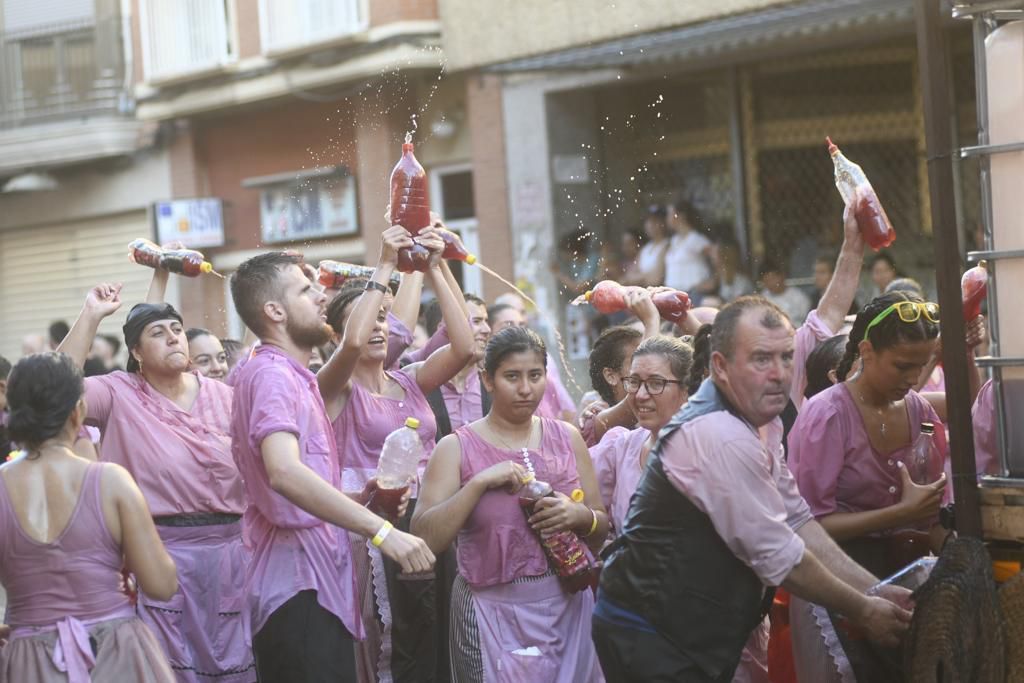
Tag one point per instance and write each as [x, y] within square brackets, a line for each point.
[593, 527]
[378, 540]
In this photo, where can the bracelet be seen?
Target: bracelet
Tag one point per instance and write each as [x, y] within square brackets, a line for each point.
[593, 527]
[378, 540]
[373, 284]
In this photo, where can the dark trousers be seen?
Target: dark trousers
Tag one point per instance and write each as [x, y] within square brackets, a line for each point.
[632, 656]
[419, 618]
[304, 643]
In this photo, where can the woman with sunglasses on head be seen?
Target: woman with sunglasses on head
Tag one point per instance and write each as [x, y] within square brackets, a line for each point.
[512, 620]
[68, 527]
[847, 452]
[366, 401]
[170, 427]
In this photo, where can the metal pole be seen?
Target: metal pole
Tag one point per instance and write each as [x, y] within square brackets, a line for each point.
[935, 87]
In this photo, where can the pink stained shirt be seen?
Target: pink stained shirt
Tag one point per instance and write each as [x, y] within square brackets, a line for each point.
[180, 459]
[496, 545]
[617, 468]
[809, 335]
[465, 406]
[556, 399]
[366, 421]
[737, 477]
[292, 549]
[835, 465]
[399, 339]
[986, 436]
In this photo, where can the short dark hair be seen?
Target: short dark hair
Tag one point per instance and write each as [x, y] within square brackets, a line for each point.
[256, 282]
[889, 332]
[42, 390]
[678, 353]
[687, 211]
[336, 309]
[825, 357]
[657, 211]
[94, 367]
[609, 352]
[58, 330]
[771, 266]
[193, 332]
[431, 317]
[886, 258]
[723, 334]
[233, 350]
[474, 299]
[512, 340]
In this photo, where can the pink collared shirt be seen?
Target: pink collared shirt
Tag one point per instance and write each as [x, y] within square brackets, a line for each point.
[742, 483]
[809, 335]
[292, 549]
[986, 436]
[617, 468]
[180, 459]
[464, 406]
[835, 465]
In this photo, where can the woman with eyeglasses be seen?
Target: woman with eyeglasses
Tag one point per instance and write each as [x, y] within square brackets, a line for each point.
[847, 452]
[512, 620]
[170, 427]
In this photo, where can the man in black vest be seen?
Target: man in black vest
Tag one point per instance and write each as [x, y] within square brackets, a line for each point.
[717, 520]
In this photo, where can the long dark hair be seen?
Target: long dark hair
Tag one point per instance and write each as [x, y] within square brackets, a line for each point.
[701, 364]
[826, 356]
[887, 333]
[42, 390]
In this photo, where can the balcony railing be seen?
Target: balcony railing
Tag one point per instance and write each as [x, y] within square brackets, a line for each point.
[183, 37]
[61, 74]
[287, 25]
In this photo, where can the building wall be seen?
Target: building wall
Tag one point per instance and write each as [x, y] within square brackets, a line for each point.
[477, 33]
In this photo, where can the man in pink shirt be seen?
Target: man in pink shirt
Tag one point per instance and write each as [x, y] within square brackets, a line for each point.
[300, 582]
[717, 519]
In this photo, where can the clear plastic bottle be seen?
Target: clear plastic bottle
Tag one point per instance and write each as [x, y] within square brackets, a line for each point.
[974, 287]
[396, 468]
[410, 207]
[924, 464]
[186, 262]
[333, 274]
[858, 194]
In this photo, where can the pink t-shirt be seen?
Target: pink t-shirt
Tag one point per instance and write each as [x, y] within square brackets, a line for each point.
[986, 436]
[742, 483]
[810, 334]
[835, 465]
[496, 545]
[180, 459]
[292, 550]
[617, 468]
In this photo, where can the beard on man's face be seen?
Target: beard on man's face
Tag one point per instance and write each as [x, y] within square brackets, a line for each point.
[316, 333]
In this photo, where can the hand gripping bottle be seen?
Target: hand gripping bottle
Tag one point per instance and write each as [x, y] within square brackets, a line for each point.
[567, 554]
[924, 464]
[333, 274]
[410, 207]
[609, 296]
[861, 198]
[974, 286]
[186, 262]
[396, 468]
[454, 249]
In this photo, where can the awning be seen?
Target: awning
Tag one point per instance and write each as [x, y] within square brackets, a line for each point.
[791, 27]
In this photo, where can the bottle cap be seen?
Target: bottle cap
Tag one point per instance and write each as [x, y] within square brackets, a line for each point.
[832, 149]
[412, 423]
[589, 293]
[407, 147]
[205, 267]
[471, 259]
[577, 495]
[983, 264]
[527, 479]
[927, 428]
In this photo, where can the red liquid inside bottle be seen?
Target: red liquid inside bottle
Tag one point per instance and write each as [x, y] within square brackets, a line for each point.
[334, 274]
[567, 554]
[386, 500]
[872, 221]
[145, 253]
[609, 296]
[410, 205]
[974, 286]
[454, 249]
[185, 262]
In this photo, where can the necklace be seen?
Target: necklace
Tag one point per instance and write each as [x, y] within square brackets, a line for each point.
[880, 411]
[524, 451]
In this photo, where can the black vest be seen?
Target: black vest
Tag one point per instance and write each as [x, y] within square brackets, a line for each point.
[672, 568]
[444, 421]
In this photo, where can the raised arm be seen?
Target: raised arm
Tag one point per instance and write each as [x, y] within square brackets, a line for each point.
[406, 306]
[157, 292]
[101, 301]
[307, 490]
[842, 288]
[444, 505]
[333, 378]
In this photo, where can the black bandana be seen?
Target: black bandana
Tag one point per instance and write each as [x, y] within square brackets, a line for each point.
[140, 316]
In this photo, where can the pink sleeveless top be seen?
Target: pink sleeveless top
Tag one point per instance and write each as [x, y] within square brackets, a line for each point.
[77, 575]
[367, 420]
[496, 545]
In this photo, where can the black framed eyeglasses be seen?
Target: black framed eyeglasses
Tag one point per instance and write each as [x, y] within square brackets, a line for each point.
[655, 385]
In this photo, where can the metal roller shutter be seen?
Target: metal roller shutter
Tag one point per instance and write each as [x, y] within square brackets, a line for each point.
[46, 271]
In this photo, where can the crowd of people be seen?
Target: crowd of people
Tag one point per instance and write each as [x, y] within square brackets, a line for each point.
[211, 512]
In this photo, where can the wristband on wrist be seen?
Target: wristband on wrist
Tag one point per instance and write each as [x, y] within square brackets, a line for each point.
[593, 526]
[373, 284]
[378, 540]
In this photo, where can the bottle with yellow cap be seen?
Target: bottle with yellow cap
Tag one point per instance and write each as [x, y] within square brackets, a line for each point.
[187, 262]
[397, 467]
[567, 554]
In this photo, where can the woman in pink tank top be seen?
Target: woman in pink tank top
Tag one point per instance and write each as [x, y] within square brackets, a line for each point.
[69, 527]
[512, 620]
[366, 402]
